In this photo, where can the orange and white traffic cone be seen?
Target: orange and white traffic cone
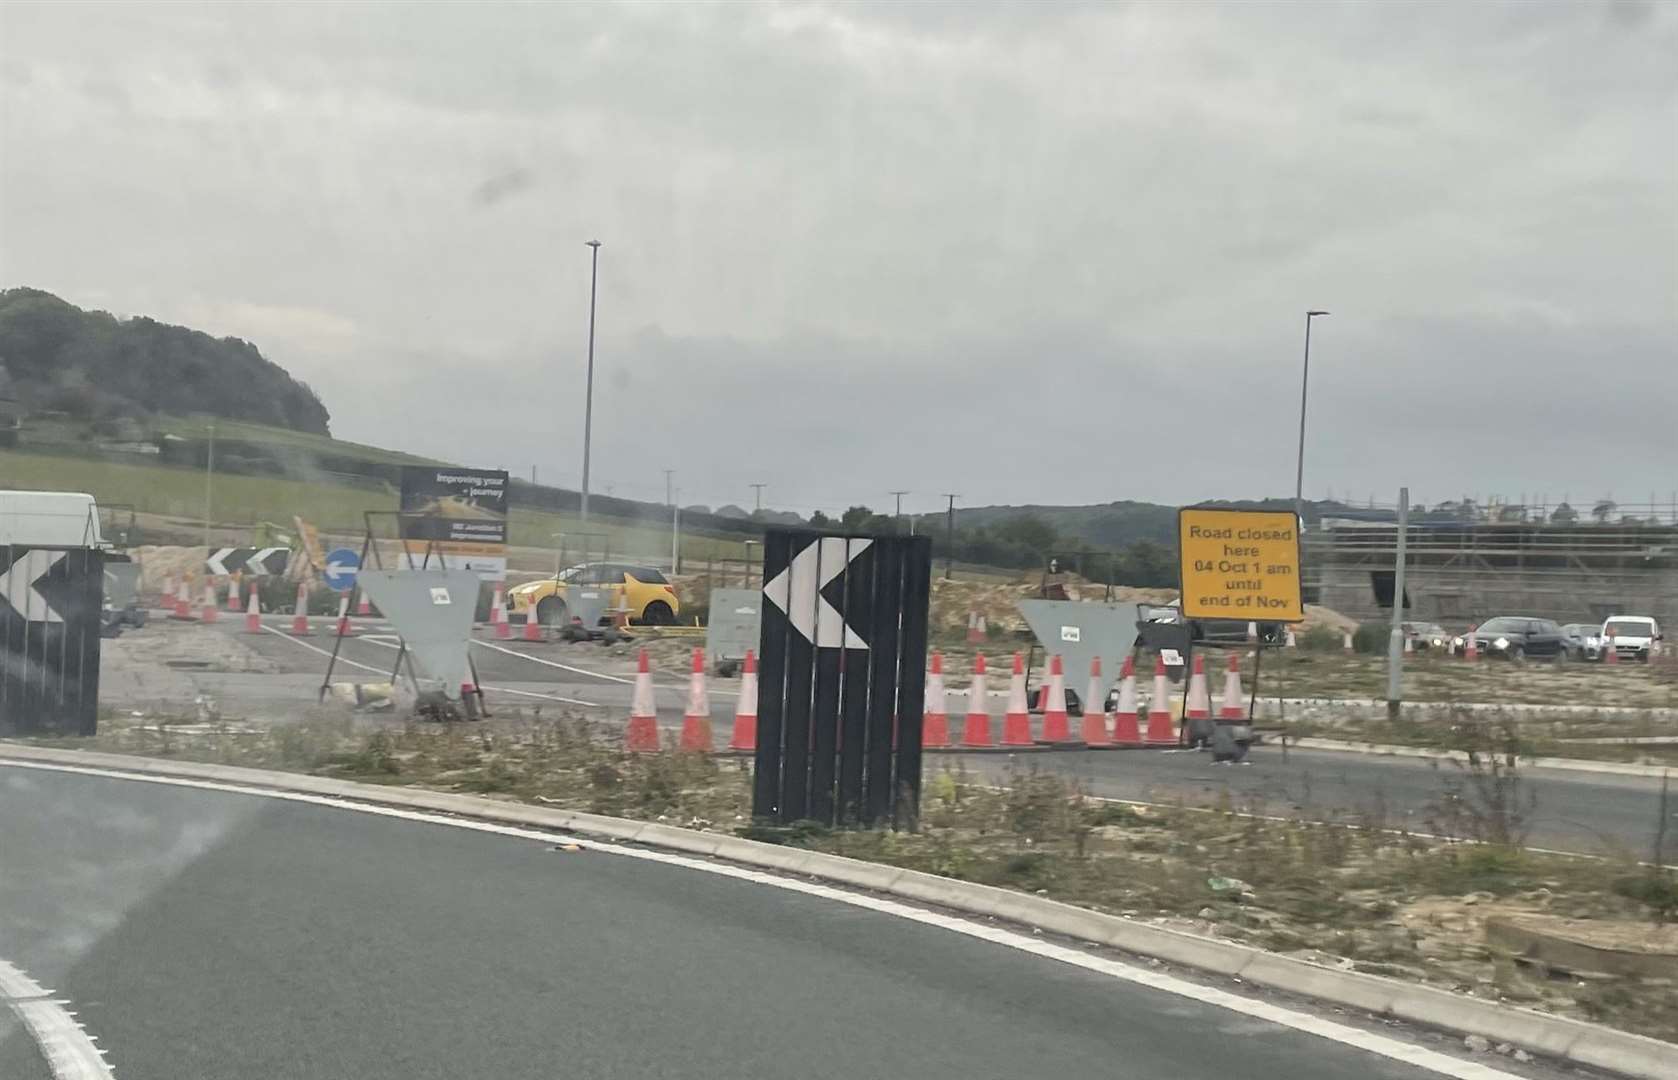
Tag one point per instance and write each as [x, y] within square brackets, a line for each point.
[745, 710]
[1095, 709]
[1230, 708]
[167, 596]
[1610, 655]
[975, 733]
[1161, 730]
[1126, 729]
[935, 717]
[532, 625]
[234, 583]
[300, 615]
[1346, 642]
[1289, 641]
[974, 636]
[364, 605]
[696, 721]
[1409, 644]
[210, 613]
[253, 613]
[1252, 633]
[498, 616]
[1016, 722]
[1470, 647]
[642, 733]
[1056, 727]
[183, 602]
[1197, 703]
[344, 627]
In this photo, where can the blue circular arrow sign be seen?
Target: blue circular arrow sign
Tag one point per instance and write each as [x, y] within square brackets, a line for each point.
[340, 570]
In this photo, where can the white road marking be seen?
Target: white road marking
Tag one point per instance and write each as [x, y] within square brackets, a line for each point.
[370, 639]
[1369, 1041]
[594, 674]
[69, 1050]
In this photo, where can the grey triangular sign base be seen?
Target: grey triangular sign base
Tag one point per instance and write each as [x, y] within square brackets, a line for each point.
[432, 611]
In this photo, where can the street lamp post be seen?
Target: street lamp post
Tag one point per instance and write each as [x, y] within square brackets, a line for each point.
[588, 397]
[1304, 386]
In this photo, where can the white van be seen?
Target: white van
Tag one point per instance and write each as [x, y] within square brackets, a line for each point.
[1632, 637]
[49, 519]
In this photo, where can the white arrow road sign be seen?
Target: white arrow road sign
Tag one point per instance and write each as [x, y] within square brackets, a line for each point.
[19, 581]
[216, 565]
[797, 591]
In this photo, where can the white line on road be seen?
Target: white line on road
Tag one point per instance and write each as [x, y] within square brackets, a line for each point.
[372, 640]
[69, 1050]
[1369, 1041]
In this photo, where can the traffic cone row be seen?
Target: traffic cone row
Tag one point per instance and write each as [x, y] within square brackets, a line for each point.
[1126, 729]
[233, 584]
[975, 732]
[745, 710]
[935, 717]
[1016, 722]
[183, 601]
[344, 627]
[1095, 709]
[210, 613]
[1161, 730]
[696, 719]
[1197, 705]
[300, 615]
[1230, 708]
[253, 613]
[642, 733]
[498, 616]
[1056, 727]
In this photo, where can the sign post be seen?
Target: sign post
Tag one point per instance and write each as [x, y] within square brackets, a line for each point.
[842, 676]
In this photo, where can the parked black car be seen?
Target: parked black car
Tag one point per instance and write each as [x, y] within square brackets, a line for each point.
[1516, 637]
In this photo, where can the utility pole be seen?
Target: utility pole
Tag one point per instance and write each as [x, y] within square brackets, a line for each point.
[669, 492]
[950, 533]
[209, 476]
[1395, 640]
[588, 397]
[758, 488]
[898, 495]
[675, 535]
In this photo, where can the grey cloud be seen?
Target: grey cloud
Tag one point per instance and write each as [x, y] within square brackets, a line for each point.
[1059, 252]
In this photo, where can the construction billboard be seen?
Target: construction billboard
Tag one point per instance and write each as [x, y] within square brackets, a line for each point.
[458, 514]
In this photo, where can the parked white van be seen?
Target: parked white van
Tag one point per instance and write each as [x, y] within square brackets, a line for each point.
[1632, 637]
[49, 519]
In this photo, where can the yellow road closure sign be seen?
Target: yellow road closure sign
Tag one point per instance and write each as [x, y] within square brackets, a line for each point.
[1240, 564]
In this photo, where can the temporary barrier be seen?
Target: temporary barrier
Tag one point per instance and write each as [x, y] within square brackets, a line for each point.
[1127, 731]
[1161, 730]
[696, 718]
[745, 709]
[642, 733]
[1056, 728]
[1231, 708]
[1016, 722]
[935, 727]
[975, 732]
[1095, 731]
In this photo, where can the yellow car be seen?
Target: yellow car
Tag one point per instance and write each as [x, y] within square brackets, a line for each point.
[643, 590]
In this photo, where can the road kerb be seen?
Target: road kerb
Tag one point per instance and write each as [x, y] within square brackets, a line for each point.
[1571, 1040]
[1613, 768]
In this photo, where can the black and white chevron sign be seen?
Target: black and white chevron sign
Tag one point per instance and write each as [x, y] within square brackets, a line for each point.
[250, 561]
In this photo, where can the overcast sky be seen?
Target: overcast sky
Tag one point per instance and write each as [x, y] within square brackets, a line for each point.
[1034, 253]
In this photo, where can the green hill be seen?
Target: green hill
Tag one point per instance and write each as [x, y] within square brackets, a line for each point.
[90, 365]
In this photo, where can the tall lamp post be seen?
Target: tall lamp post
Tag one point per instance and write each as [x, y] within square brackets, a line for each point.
[1304, 386]
[588, 398]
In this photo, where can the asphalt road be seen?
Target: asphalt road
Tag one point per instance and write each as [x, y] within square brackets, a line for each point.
[201, 934]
